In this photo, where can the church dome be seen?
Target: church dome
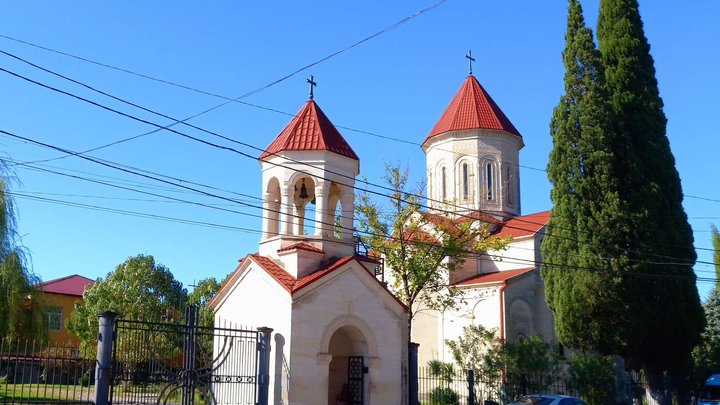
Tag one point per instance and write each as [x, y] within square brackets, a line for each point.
[471, 108]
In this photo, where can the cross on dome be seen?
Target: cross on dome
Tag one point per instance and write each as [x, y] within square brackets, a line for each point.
[470, 59]
[312, 83]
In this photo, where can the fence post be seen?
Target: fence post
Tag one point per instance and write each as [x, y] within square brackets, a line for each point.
[471, 386]
[264, 334]
[103, 367]
[413, 372]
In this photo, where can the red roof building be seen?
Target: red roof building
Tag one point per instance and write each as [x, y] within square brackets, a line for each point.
[471, 108]
[69, 285]
[310, 129]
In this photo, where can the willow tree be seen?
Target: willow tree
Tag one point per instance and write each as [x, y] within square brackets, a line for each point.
[659, 289]
[421, 249]
[582, 265]
[21, 307]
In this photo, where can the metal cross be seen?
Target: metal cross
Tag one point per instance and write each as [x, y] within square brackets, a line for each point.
[312, 84]
[470, 59]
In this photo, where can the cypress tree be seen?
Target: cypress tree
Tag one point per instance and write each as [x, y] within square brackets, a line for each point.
[716, 253]
[659, 283]
[581, 263]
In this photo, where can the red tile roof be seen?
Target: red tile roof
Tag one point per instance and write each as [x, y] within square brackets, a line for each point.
[495, 277]
[310, 129]
[524, 225]
[69, 285]
[289, 283]
[301, 246]
[472, 107]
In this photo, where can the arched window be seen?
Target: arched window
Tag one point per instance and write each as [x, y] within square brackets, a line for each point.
[443, 184]
[489, 180]
[465, 181]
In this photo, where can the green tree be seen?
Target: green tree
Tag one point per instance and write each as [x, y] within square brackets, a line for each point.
[706, 355]
[478, 349]
[21, 303]
[661, 299]
[138, 289]
[716, 253]
[203, 292]
[420, 249]
[582, 263]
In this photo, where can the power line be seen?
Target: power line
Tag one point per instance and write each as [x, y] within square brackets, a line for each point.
[433, 244]
[255, 148]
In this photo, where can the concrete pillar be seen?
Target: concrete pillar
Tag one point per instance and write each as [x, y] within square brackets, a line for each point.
[321, 202]
[264, 334]
[286, 207]
[103, 368]
[266, 214]
[347, 200]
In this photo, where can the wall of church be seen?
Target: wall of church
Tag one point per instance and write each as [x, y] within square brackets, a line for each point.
[520, 253]
[432, 328]
[258, 300]
[346, 300]
[527, 312]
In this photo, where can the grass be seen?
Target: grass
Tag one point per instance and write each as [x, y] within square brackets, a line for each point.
[41, 392]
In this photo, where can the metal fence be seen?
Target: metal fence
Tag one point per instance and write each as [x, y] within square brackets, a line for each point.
[465, 387]
[42, 372]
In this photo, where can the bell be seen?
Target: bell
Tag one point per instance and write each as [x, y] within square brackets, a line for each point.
[303, 191]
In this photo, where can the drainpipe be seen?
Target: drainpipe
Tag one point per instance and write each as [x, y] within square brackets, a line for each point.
[502, 311]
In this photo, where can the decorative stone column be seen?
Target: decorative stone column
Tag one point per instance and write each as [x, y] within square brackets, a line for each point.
[285, 216]
[347, 200]
[266, 215]
[298, 220]
[321, 201]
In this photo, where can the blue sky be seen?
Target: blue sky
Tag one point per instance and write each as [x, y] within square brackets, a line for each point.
[394, 85]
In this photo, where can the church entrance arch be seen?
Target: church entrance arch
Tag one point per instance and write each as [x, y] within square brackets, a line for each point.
[351, 345]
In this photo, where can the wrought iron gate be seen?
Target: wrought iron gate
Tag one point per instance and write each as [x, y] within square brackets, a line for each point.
[356, 381]
[172, 363]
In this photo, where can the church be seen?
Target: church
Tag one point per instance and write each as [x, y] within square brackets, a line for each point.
[338, 331]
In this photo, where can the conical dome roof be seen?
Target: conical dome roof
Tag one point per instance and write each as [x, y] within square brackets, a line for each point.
[310, 129]
[472, 108]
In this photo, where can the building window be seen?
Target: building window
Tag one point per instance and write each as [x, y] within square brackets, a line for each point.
[54, 318]
[489, 180]
[465, 182]
[443, 184]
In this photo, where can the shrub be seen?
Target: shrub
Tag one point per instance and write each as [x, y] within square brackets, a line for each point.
[444, 396]
[592, 375]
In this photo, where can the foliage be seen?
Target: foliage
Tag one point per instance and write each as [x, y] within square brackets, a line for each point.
[420, 249]
[203, 292]
[442, 370]
[443, 396]
[592, 376]
[138, 289]
[582, 264]
[21, 303]
[478, 349]
[706, 355]
[661, 300]
[530, 362]
[716, 253]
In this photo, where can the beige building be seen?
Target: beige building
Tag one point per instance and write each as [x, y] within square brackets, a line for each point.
[338, 333]
[472, 162]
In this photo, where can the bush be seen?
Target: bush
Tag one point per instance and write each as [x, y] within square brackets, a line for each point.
[444, 396]
[592, 375]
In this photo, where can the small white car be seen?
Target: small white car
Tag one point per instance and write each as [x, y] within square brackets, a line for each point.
[546, 399]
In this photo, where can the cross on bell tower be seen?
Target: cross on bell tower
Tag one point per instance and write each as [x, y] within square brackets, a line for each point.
[470, 60]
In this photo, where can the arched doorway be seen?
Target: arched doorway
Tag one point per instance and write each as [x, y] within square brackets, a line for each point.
[349, 349]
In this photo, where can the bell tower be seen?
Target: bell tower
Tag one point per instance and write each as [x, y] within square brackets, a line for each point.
[308, 178]
[472, 156]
